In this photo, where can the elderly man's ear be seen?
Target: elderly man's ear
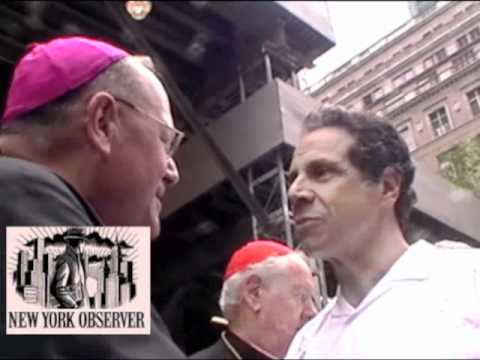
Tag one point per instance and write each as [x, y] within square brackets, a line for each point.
[252, 292]
[101, 121]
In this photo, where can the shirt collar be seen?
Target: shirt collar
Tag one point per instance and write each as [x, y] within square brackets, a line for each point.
[415, 264]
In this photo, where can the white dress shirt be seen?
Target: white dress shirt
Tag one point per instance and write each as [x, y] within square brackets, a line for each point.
[426, 306]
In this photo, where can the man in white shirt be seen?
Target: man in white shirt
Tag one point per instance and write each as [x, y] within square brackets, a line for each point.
[351, 196]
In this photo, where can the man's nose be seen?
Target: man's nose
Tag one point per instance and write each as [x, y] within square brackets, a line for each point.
[171, 175]
[298, 193]
[293, 190]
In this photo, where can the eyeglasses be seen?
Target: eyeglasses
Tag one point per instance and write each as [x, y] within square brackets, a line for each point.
[176, 136]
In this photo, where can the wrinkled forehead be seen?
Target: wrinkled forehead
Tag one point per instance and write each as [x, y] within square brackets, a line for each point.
[294, 266]
[164, 103]
[300, 267]
[154, 92]
[330, 144]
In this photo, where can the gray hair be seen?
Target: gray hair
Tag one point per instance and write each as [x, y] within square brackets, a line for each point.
[268, 269]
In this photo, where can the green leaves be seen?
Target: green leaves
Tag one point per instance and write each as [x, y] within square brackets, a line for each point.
[461, 165]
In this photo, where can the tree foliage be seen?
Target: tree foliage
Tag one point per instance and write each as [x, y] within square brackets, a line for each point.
[461, 165]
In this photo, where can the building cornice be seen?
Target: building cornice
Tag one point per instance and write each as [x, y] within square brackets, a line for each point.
[352, 68]
[434, 90]
[431, 71]
[404, 64]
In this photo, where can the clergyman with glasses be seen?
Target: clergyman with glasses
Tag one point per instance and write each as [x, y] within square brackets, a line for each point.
[87, 139]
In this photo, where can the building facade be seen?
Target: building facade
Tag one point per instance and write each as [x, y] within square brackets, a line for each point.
[424, 77]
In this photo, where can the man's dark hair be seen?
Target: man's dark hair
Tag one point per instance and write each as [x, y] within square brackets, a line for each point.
[377, 146]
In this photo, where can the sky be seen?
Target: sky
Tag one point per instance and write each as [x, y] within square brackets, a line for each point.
[356, 26]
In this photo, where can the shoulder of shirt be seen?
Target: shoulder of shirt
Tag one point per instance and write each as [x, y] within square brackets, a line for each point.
[463, 257]
[451, 264]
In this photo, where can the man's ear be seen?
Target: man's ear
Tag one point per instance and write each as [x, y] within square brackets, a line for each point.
[391, 181]
[102, 116]
[252, 292]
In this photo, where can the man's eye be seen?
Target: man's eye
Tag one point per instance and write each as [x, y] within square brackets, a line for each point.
[319, 171]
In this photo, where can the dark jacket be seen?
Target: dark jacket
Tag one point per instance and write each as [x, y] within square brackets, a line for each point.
[31, 195]
[229, 346]
[68, 286]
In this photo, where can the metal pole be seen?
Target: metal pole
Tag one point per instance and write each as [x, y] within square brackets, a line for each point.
[295, 82]
[283, 192]
[268, 66]
[241, 85]
[251, 188]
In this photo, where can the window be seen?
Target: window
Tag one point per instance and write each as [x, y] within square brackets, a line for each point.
[462, 41]
[440, 121]
[377, 94]
[427, 34]
[409, 96]
[408, 75]
[463, 60]
[474, 100]
[440, 55]
[428, 62]
[437, 57]
[398, 81]
[367, 101]
[474, 34]
[406, 132]
[403, 78]
[370, 99]
[427, 82]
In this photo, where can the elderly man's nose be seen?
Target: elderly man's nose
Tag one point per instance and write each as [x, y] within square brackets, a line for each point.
[172, 176]
[310, 311]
